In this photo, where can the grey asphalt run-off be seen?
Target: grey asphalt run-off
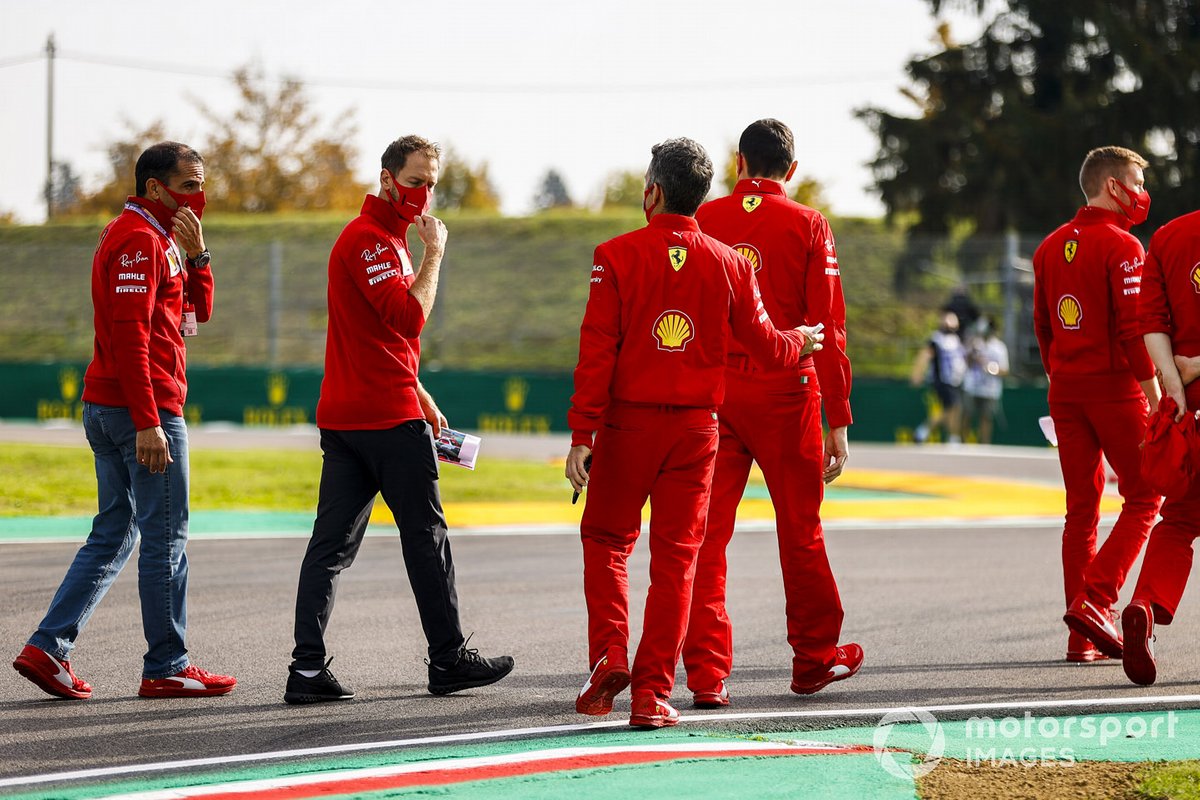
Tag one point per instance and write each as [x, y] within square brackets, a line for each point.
[946, 615]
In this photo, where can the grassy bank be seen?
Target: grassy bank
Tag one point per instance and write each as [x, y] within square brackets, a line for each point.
[42, 480]
[511, 297]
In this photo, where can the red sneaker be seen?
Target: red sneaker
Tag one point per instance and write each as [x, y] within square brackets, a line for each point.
[51, 675]
[717, 699]
[650, 712]
[1097, 624]
[846, 663]
[192, 682]
[1138, 622]
[608, 679]
[1080, 650]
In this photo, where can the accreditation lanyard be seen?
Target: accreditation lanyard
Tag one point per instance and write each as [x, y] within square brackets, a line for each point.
[188, 325]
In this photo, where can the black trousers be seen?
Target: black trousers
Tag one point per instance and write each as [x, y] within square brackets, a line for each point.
[400, 464]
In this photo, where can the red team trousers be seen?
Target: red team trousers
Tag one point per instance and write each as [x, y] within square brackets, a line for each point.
[664, 454]
[775, 419]
[1084, 430]
[1168, 561]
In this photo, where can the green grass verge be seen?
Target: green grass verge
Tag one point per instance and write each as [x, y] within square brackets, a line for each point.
[44, 480]
[1177, 780]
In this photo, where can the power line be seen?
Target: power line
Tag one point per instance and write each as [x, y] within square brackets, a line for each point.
[796, 82]
[15, 61]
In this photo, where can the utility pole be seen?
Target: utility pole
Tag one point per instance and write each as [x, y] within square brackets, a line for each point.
[50, 127]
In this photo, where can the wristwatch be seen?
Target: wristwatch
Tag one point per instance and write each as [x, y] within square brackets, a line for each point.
[200, 261]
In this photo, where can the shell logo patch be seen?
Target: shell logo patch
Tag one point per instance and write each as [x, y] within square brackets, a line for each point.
[751, 253]
[1070, 313]
[678, 255]
[751, 202]
[1069, 250]
[1196, 278]
[673, 330]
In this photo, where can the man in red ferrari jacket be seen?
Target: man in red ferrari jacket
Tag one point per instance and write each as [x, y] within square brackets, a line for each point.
[1169, 308]
[664, 303]
[151, 286]
[1087, 278]
[773, 417]
[378, 426]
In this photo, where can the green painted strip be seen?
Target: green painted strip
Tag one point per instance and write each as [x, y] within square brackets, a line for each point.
[767, 778]
[758, 491]
[202, 523]
[1126, 737]
[867, 779]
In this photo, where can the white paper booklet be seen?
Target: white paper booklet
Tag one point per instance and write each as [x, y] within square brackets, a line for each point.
[1047, 426]
[455, 447]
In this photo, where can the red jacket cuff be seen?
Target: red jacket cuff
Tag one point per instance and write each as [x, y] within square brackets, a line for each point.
[1139, 359]
[837, 413]
[581, 438]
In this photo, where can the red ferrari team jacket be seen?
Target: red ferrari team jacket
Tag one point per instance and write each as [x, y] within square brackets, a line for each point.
[795, 261]
[139, 281]
[1170, 299]
[372, 346]
[1087, 278]
[664, 302]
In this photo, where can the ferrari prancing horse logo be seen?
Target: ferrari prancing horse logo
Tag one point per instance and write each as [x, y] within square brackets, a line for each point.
[751, 202]
[678, 256]
[1069, 250]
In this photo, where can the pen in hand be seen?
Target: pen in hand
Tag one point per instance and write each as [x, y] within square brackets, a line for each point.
[587, 465]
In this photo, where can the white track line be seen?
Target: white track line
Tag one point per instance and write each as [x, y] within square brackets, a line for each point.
[515, 733]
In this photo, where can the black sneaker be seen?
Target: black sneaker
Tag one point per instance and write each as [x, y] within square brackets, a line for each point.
[469, 671]
[320, 688]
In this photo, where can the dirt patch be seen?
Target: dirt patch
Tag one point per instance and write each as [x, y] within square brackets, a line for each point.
[961, 780]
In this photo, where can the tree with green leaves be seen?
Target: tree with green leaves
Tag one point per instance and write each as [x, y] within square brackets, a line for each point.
[462, 187]
[274, 154]
[1002, 123]
[552, 192]
[623, 189]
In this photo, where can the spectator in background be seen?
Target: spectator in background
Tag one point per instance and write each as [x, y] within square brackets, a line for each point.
[963, 306]
[987, 364]
[941, 365]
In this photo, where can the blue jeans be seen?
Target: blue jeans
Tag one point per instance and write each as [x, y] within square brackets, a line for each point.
[131, 499]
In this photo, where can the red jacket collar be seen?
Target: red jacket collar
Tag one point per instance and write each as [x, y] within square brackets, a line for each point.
[386, 216]
[1091, 215]
[674, 222]
[759, 186]
[155, 210]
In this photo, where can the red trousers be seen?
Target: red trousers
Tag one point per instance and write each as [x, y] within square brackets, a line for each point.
[776, 421]
[665, 454]
[1084, 431]
[1168, 560]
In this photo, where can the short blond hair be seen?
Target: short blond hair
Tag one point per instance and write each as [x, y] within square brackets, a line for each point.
[1106, 162]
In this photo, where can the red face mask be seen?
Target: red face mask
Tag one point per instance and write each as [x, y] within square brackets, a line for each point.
[413, 201]
[646, 196]
[164, 215]
[1138, 207]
